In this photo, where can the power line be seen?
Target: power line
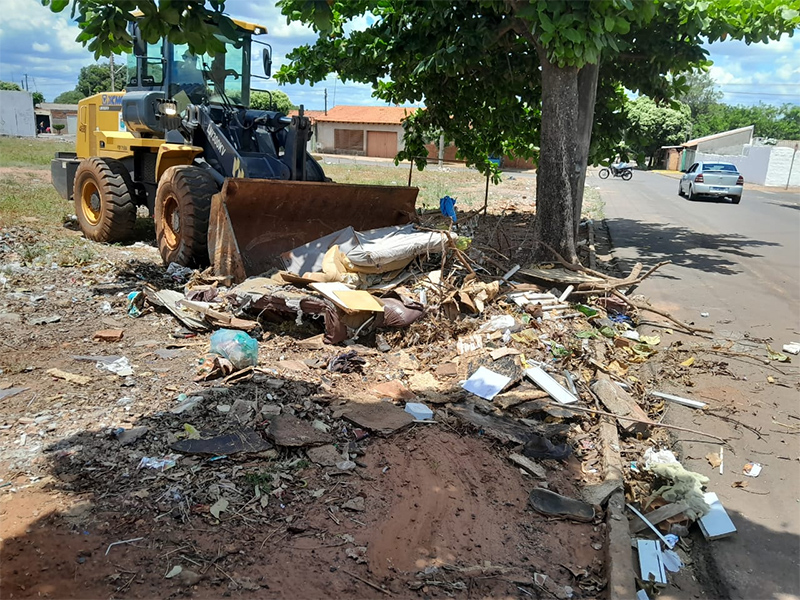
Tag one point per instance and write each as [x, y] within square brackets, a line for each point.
[761, 94]
[761, 83]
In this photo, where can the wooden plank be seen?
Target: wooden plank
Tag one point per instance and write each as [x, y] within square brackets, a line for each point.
[619, 402]
[657, 516]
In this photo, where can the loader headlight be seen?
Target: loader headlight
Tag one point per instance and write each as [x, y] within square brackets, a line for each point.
[168, 108]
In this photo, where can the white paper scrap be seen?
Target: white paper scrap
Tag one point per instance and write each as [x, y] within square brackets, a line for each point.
[485, 383]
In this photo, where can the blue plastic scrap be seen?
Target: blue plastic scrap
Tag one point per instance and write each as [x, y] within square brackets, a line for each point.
[448, 207]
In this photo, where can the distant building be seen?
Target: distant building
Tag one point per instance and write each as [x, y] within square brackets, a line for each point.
[52, 114]
[361, 130]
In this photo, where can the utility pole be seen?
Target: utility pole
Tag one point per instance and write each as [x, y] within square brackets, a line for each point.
[111, 65]
[27, 89]
[326, 101]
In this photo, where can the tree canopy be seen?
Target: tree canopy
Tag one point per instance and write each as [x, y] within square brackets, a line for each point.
[273, 100]
[652, 126]
[70, 97]
[515, 75]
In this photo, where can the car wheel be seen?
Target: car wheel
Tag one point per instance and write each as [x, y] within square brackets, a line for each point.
[680, 190]
[692, 195]
[736, 199]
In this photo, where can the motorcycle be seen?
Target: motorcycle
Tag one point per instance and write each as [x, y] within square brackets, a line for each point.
[619, 170]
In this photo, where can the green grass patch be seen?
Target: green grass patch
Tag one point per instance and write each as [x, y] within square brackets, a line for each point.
[30, 152]
[27, 195]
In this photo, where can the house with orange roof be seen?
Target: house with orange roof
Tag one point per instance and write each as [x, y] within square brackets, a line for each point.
[361, 130]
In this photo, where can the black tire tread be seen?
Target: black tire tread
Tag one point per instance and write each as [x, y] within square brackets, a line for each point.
[193, 188]
[117, 204]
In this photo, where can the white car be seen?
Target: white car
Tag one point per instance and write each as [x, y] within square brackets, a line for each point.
[716, 179]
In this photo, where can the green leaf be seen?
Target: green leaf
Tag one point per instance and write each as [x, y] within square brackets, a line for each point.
[608, 332]
[586, 310]
[776, 356]
[587, 334]
[609, 23]
[58, 5]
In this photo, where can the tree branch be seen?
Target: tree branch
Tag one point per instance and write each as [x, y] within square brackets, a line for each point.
[664, 314]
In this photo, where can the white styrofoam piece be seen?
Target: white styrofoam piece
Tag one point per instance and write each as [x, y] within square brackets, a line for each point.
[716, 523]
[419, 411]
[642, 595]
[550, 385]
[650, 560]
[486, 383]
[679, 400]
[793, 348]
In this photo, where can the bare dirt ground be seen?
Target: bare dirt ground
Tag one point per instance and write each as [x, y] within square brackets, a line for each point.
[430, 511]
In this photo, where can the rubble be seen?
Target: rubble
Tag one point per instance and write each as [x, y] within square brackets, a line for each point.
[338, 362]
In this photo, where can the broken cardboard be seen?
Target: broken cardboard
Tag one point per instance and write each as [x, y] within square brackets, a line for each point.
[288, 430]
[381, 417]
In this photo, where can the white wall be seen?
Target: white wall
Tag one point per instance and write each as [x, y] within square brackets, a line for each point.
[779, 164]
[762, 165]
[325, 135]
[16, 114]
[753, 165]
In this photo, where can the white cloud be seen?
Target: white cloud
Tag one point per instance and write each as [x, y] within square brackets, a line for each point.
[41, 47]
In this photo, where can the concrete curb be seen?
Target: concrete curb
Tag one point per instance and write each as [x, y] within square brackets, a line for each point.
[619, 559]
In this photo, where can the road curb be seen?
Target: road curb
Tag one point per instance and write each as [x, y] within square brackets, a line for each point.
[619, 559]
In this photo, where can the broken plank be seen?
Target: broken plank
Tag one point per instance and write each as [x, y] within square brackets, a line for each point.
[619, 402]
[528, 465]
[657, 516]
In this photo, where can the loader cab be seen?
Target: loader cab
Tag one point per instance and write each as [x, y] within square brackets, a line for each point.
[202, 79]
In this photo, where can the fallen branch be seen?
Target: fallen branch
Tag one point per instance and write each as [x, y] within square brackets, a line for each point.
[650, 423]
[369, 583]
[633, 279]
[666, 315]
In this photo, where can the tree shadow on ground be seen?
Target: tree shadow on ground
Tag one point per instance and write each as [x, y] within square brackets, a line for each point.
[785, 205]
[683, 247]
[93, 496]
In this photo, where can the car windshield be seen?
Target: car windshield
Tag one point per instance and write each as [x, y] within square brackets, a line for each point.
[206, 77]
[719, 167]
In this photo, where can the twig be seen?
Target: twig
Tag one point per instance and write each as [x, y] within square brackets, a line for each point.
[122, 542]
[369, 583]
[218, 568]
[662, 313]
[632, 420]
[736, 422]
[276, 530]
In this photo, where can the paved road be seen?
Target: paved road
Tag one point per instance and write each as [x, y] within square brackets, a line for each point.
[741, 265]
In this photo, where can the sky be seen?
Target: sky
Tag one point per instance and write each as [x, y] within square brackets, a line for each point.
[40, 44]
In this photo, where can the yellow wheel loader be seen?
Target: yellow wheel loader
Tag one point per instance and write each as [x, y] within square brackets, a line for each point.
[225, 184]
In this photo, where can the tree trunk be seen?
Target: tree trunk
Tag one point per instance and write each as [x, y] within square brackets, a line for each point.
[587, 95]
[557, 173]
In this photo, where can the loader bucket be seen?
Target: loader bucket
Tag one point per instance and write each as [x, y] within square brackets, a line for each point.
[253, 221]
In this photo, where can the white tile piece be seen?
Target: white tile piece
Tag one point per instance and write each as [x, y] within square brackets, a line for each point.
[486, 383]
[716, 524]
[550, 385]
[650, 560]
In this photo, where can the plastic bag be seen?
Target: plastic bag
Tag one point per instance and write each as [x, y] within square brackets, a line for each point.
[236, 346]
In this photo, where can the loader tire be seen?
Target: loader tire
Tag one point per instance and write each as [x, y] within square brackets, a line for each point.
[104, 203]
[183, 203]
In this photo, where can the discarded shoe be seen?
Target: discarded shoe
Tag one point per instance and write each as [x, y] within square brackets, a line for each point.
[555, 505]
[540, 447]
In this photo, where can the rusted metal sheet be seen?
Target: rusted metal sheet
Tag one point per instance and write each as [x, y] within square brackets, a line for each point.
[254, 220]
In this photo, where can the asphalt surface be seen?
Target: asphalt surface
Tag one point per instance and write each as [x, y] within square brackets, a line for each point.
[740, 264]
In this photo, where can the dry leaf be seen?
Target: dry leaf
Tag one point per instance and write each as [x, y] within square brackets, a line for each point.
[713, 459]
[739, 484]
[688, 362]
[218, 507]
